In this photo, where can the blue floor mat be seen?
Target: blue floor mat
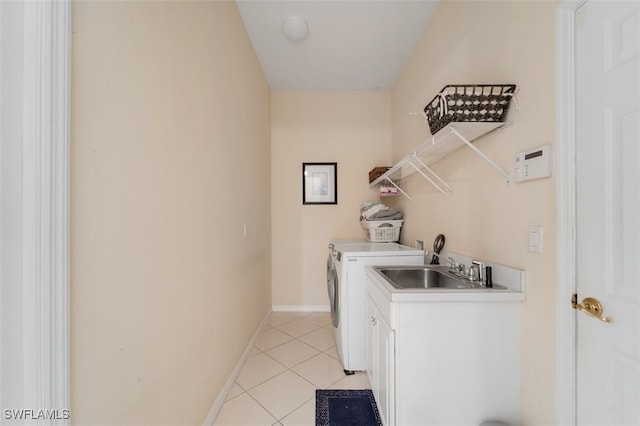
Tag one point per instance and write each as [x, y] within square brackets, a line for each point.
[346, 408]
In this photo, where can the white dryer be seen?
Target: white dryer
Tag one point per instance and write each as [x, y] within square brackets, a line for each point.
[346, 283]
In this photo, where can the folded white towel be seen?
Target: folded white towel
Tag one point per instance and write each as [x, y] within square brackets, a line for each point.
[373, 209]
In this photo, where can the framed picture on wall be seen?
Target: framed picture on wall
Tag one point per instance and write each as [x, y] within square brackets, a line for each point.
[319, 183]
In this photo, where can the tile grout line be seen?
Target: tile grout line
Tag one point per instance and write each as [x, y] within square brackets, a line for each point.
[278, 420]
[317, 326]
[292, 371]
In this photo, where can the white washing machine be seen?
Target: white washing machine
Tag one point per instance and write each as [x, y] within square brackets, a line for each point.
[346, 283]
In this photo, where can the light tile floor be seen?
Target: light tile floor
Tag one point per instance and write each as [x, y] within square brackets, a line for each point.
[294, 355]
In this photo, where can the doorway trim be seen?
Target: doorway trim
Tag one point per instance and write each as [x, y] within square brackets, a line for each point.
[565, 147]
[46, 139]
[37, 190]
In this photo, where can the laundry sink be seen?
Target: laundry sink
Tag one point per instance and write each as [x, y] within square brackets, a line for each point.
[426, 277]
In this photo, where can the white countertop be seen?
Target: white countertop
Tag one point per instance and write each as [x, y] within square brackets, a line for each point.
[512, 280]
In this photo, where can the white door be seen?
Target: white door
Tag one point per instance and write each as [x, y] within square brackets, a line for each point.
[608, 211]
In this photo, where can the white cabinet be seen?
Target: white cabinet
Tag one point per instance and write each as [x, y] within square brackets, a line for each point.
[380, 362]
[443, 362]
[372, 354]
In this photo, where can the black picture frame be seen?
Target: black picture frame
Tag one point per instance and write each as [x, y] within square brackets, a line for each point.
[319, 183]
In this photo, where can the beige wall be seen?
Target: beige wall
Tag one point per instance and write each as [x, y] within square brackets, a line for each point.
[491, 42]
[350, 128]
[170, 159]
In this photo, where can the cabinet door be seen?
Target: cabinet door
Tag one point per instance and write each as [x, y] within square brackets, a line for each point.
[372, 345]
[385, 350]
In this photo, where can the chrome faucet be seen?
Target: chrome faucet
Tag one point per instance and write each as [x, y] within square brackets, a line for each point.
[455, 267]
[480, 267]
[452, 263]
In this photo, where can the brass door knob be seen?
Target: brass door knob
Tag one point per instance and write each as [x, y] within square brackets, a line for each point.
[591, 306]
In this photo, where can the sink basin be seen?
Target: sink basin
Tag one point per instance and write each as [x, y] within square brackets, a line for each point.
[425, 277]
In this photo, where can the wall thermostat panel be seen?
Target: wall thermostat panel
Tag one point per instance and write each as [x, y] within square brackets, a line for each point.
[533, 164]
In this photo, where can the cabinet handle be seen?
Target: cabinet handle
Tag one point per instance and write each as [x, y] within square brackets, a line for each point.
[373, 320]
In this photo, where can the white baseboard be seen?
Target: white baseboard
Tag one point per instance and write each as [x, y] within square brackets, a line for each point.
[301, 308]
[222, 396]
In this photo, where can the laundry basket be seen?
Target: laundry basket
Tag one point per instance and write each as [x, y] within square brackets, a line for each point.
[376, 172]
[382, 231]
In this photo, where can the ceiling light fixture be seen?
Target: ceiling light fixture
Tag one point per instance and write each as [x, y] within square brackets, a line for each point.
[295, 28]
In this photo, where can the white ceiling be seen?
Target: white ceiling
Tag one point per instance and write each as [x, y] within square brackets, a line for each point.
[352, 44]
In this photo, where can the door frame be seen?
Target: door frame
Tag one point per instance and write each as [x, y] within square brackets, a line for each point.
[38, 192]
[565, 148]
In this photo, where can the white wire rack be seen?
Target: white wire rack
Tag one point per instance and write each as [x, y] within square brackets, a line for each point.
[449, 139]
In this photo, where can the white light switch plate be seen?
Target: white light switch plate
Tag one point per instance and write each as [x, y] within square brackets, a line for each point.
[535, 239]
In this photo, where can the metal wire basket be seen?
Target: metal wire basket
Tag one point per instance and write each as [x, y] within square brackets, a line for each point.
[469, 103]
